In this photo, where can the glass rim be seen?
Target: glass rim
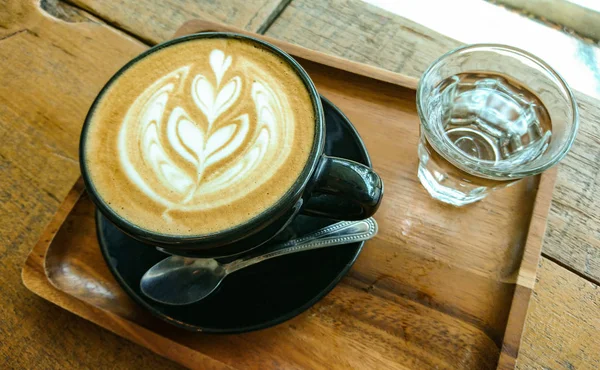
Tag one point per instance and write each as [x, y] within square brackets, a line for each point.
[470, 165]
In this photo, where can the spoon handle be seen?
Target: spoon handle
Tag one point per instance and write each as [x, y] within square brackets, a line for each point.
[339, 233]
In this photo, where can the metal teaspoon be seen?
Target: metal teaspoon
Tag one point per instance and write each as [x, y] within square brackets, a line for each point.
[181, 280]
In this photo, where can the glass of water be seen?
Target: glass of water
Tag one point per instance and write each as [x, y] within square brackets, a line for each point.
[490, 115]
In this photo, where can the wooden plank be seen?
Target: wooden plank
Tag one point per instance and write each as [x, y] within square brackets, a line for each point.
[156, 21]
[365, 33]
[580, 18]
[54, 62]
[361, 32]
[563, 324]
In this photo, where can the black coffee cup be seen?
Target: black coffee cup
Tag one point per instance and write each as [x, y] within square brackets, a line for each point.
[328, 187]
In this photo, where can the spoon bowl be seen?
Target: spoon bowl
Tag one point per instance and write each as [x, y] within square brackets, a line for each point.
[195, 279]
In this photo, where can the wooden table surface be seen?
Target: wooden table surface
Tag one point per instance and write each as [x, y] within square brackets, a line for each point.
[54, 58]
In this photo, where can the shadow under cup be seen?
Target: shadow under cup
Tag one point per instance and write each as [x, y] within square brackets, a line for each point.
[327, 187]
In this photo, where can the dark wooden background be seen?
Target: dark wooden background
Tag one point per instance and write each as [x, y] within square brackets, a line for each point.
[50, 74]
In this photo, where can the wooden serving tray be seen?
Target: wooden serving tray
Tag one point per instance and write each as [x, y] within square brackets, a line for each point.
[439, 287]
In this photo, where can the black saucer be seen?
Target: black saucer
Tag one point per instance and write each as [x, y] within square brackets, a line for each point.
[259, 296]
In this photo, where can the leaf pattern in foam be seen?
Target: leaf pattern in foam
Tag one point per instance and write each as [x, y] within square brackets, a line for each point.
[184, 136]
[243, 166]
[219, 64]
[226, 140]
[146, 111]
[213, 104]
[266, 106]
[153, 152]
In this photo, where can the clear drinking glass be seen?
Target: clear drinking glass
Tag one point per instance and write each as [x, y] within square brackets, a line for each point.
[490, 115]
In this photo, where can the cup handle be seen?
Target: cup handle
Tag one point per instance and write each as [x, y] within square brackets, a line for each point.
[343, 190]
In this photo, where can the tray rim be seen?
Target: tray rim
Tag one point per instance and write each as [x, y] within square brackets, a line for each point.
[37, 281]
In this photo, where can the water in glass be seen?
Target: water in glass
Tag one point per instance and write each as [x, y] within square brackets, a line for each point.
[491, 119]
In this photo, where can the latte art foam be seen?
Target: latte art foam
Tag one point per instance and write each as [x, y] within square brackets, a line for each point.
[179, 183]
[216, 138]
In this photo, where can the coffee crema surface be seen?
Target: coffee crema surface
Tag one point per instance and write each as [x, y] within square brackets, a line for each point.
[200, 136]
